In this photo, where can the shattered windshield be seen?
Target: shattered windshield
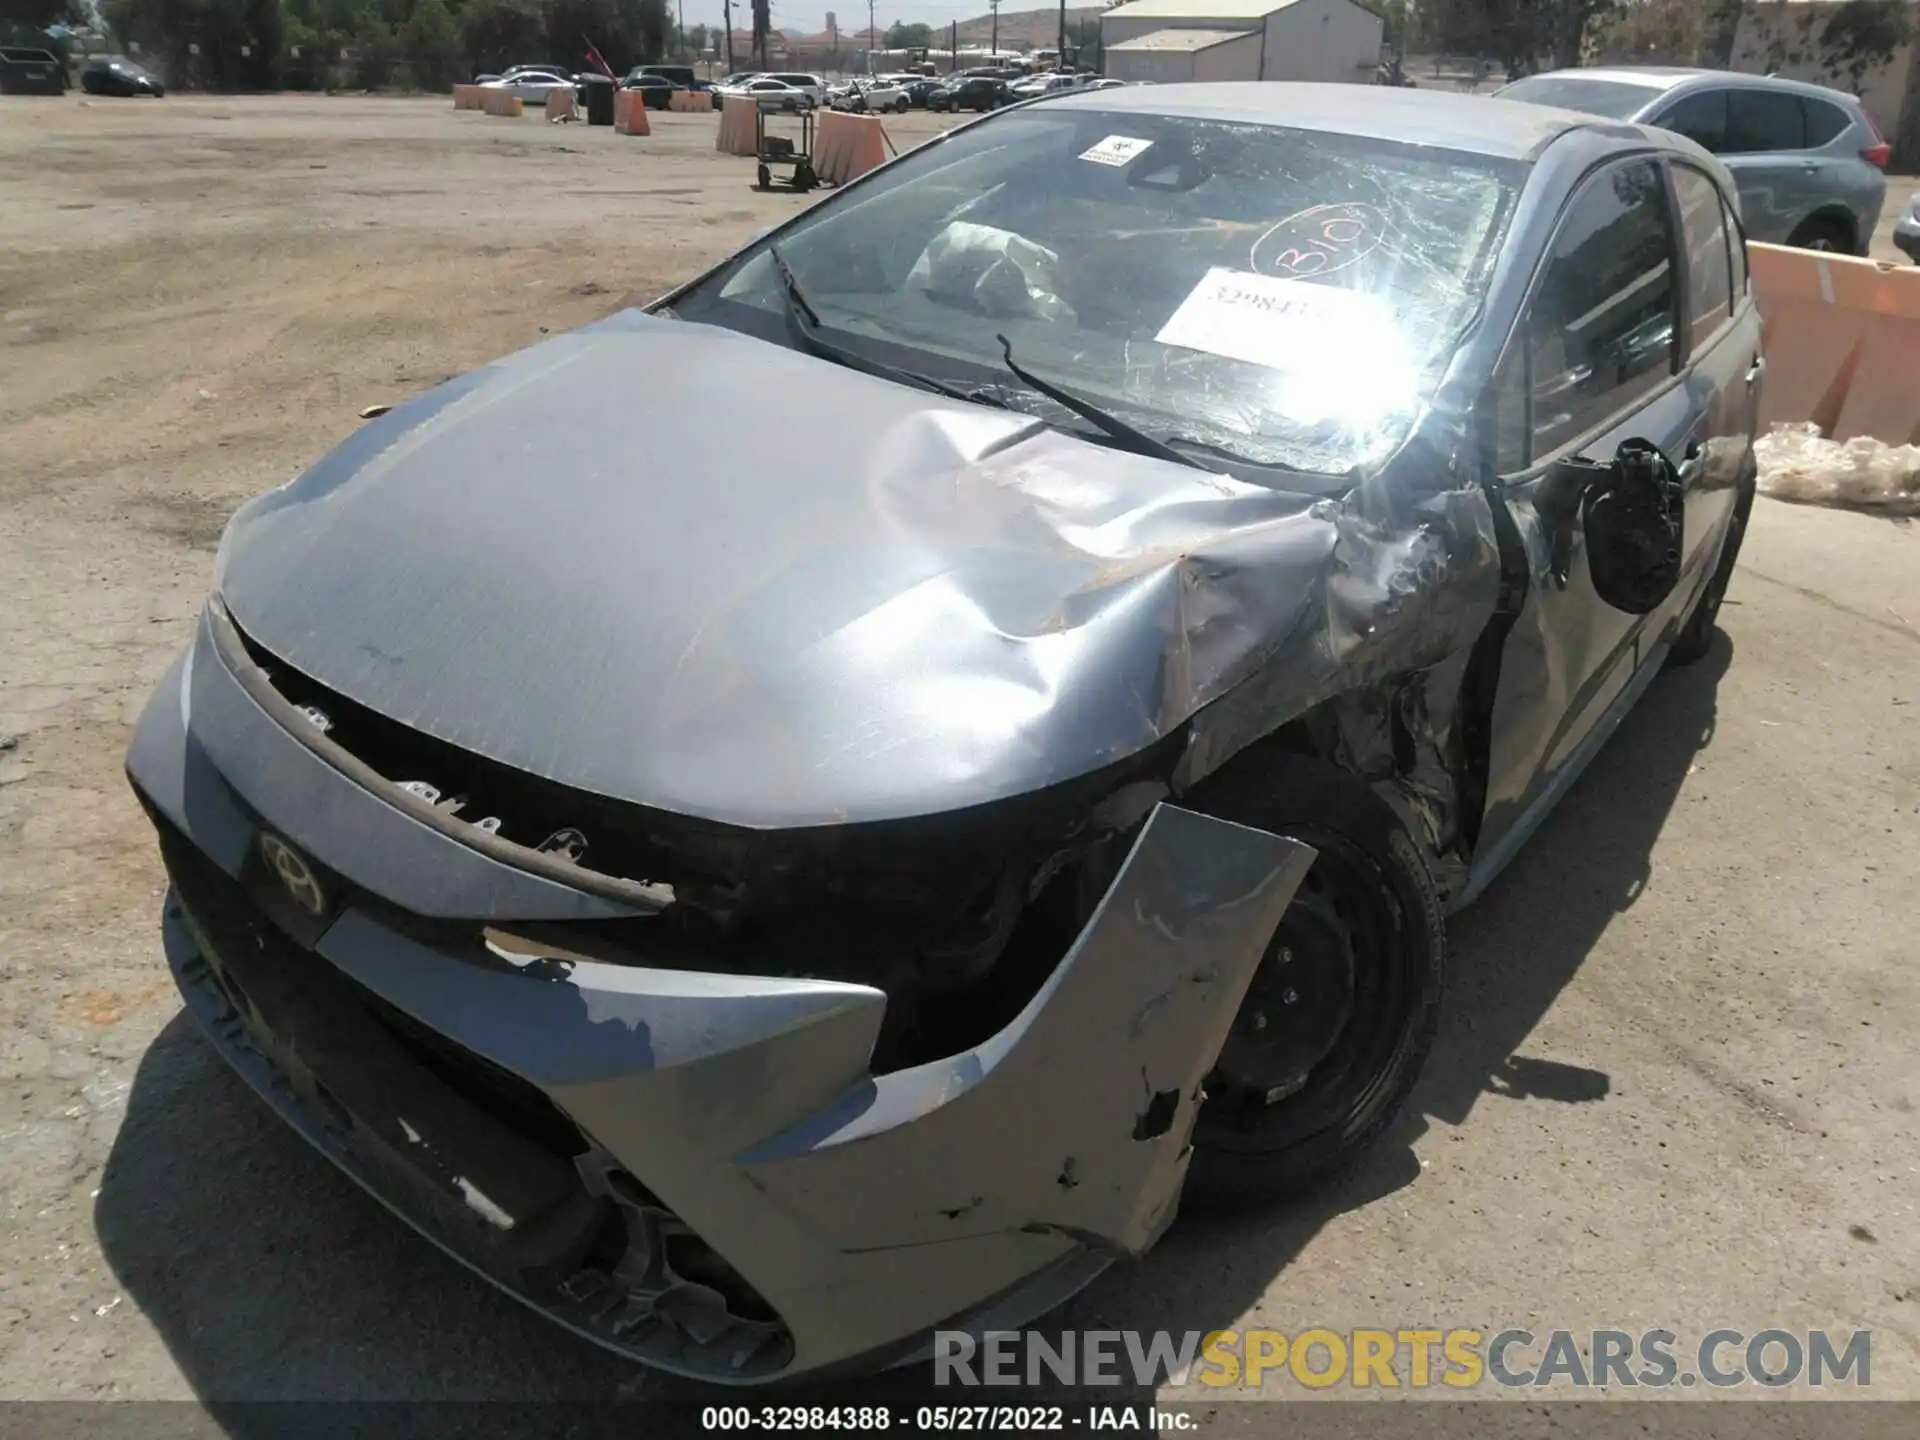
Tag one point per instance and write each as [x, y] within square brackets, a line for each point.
[1286, 296]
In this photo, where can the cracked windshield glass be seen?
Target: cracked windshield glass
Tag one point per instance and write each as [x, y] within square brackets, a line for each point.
[1280, 297]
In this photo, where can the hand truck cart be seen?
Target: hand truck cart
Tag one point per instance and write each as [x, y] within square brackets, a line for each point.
[783, 150]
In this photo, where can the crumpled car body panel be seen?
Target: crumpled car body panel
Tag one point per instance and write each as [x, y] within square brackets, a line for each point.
[742, 1104]
[955, 606]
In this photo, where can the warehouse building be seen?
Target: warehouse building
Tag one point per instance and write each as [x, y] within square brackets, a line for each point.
[1165, 41]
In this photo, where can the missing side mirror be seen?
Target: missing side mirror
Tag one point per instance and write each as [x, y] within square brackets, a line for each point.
[1633, 513]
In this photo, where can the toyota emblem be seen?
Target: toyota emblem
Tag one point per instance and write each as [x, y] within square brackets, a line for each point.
[295, 874]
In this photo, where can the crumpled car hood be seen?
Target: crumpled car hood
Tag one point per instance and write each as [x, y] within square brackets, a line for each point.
[686, 568]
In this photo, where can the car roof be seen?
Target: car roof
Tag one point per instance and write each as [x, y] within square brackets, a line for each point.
[1660, 79]
[1479, 124]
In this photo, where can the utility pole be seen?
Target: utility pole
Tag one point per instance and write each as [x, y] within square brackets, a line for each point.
[680, 41]
[870, 46]
[953, 46]
[726, 9]
[994, 44]
[1060, 65]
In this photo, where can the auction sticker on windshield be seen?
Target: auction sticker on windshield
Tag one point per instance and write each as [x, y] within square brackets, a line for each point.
[1115, 150]
[1281, 324]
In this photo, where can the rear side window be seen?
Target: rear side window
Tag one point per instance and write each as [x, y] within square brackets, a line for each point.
[1824, 122]
[1701, 117]
[1600, 329]
[1759, 120]
[1709, 265]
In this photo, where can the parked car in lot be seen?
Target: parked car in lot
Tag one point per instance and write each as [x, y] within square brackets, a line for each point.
[29, 70]
[115, 75]
[886, 92]
[682, 76]
[513, 72]
[531, 86]
[762, 921]
[920, 88]
[810, 85]
[1035, 86]
[972, 92]
[1809, 161]
[657, 88]
[767, 92]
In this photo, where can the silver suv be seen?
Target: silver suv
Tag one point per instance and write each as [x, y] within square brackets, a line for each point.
[1809, 161]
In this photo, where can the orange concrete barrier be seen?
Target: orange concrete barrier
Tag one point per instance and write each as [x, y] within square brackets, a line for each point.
[736, 129]
[847, 146]
[500, 102]
[468, 97]
[630, 113]
[560, 103]
[689, 101]
[1842, 338]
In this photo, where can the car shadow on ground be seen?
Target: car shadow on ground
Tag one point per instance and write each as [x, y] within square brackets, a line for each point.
[270, 1276]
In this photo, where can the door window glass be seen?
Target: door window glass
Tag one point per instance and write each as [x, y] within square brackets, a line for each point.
[1600, 330]
[1824, 122]
[1709, 267]
[1761, 120]
[1702, 118]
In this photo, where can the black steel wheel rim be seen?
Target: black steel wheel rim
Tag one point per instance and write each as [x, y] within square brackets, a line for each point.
[1324, 1059]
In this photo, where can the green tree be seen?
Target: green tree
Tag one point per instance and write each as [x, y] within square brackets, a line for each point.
[906, 37]
[497, 33]
[762, 26]
[430, 42]
[1520, 34]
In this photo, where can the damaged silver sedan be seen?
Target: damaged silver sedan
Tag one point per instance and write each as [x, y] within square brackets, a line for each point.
[1094, 594]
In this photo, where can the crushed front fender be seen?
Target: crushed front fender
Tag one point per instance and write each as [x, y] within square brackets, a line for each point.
[1076, 1117]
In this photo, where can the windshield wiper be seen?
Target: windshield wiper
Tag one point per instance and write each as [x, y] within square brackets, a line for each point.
[803, 322]
[1136, 440]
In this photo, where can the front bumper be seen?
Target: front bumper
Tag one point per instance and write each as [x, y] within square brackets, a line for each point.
[696, 1170]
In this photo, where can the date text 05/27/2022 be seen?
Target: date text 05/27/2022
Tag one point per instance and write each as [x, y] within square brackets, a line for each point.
[927, 1419]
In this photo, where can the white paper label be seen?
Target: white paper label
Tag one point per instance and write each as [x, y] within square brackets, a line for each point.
[1282, 324]
[1115, 150]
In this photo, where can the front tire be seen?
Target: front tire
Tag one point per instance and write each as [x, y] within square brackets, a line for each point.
[1339, 1018]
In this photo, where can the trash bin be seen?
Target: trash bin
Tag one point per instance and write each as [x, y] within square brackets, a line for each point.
[596, 98]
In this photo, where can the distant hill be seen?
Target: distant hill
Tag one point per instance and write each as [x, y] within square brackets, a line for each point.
[1029, 29]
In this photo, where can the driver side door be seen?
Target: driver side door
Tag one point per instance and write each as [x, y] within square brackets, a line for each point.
[1595, 361]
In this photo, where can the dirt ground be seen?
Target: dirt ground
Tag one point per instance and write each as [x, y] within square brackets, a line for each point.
[1677, 1078]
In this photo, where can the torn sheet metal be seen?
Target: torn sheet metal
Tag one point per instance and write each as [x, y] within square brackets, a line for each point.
[889, 604]
[1076, 1117]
